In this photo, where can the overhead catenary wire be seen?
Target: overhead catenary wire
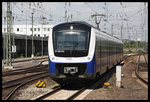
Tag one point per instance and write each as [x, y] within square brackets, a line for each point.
[37, 10]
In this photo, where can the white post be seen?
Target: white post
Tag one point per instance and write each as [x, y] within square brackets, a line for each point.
[118, 76]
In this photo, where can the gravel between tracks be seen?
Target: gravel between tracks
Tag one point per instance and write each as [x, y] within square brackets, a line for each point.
[30, 91]
[132, 88]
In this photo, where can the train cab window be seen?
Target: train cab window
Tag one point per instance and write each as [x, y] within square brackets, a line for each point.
[73, 43]
[71, 40]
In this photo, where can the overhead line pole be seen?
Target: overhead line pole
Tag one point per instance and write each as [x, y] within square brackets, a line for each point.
[26, 35]
[121, 30]
[8, 41]
[32, 38]
[4, 39]
[112, 29]
[136, 41]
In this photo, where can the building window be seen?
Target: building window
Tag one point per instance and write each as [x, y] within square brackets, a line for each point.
[44, 29]
[39, 35]
[44, 35]
[34, 29]
[4, 29]
[38, 29]
[48, 29]
[18, 29]
[34, 34]
[30, 29]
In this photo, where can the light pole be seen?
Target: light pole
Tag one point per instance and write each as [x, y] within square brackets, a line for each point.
[32, 56]
[42, 32]
[112, 29]
[26, 34]
[136, 41]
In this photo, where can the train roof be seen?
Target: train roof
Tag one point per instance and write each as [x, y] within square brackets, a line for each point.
[79, 22]
[85, 23]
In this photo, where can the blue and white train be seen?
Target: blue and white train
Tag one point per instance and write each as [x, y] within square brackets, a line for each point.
[79, 52]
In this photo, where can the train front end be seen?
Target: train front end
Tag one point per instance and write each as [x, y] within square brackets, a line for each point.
[71, 52]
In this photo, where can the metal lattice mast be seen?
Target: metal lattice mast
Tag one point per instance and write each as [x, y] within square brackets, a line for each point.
[8, 41]
[12, 32]
[4, 39]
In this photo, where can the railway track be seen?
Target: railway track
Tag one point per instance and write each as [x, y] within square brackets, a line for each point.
[14, 82]
[61, 93]
[132, 54]
[26, 70]
[10, 87]
[27, 60]
[138, 68]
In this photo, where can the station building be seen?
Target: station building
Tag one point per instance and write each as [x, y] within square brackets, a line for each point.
[23, 39]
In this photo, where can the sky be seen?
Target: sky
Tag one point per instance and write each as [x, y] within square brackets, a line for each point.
[134, 13]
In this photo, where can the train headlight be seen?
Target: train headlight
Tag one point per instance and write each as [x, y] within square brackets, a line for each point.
[89, 58]
[53, 58]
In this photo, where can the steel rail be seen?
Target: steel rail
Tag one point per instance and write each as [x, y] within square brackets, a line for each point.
[101, 78]
[14, 90]
[79, 91]
[25, 69]
[138, 75]
[18, 79]
[48, 93]
[27, 60]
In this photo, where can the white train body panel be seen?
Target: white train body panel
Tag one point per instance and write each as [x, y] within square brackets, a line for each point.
[88, 58]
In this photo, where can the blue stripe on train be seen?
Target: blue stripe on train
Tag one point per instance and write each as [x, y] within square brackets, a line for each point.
[90, 66]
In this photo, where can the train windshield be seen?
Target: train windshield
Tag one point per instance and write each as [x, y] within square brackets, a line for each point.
[70, 43]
